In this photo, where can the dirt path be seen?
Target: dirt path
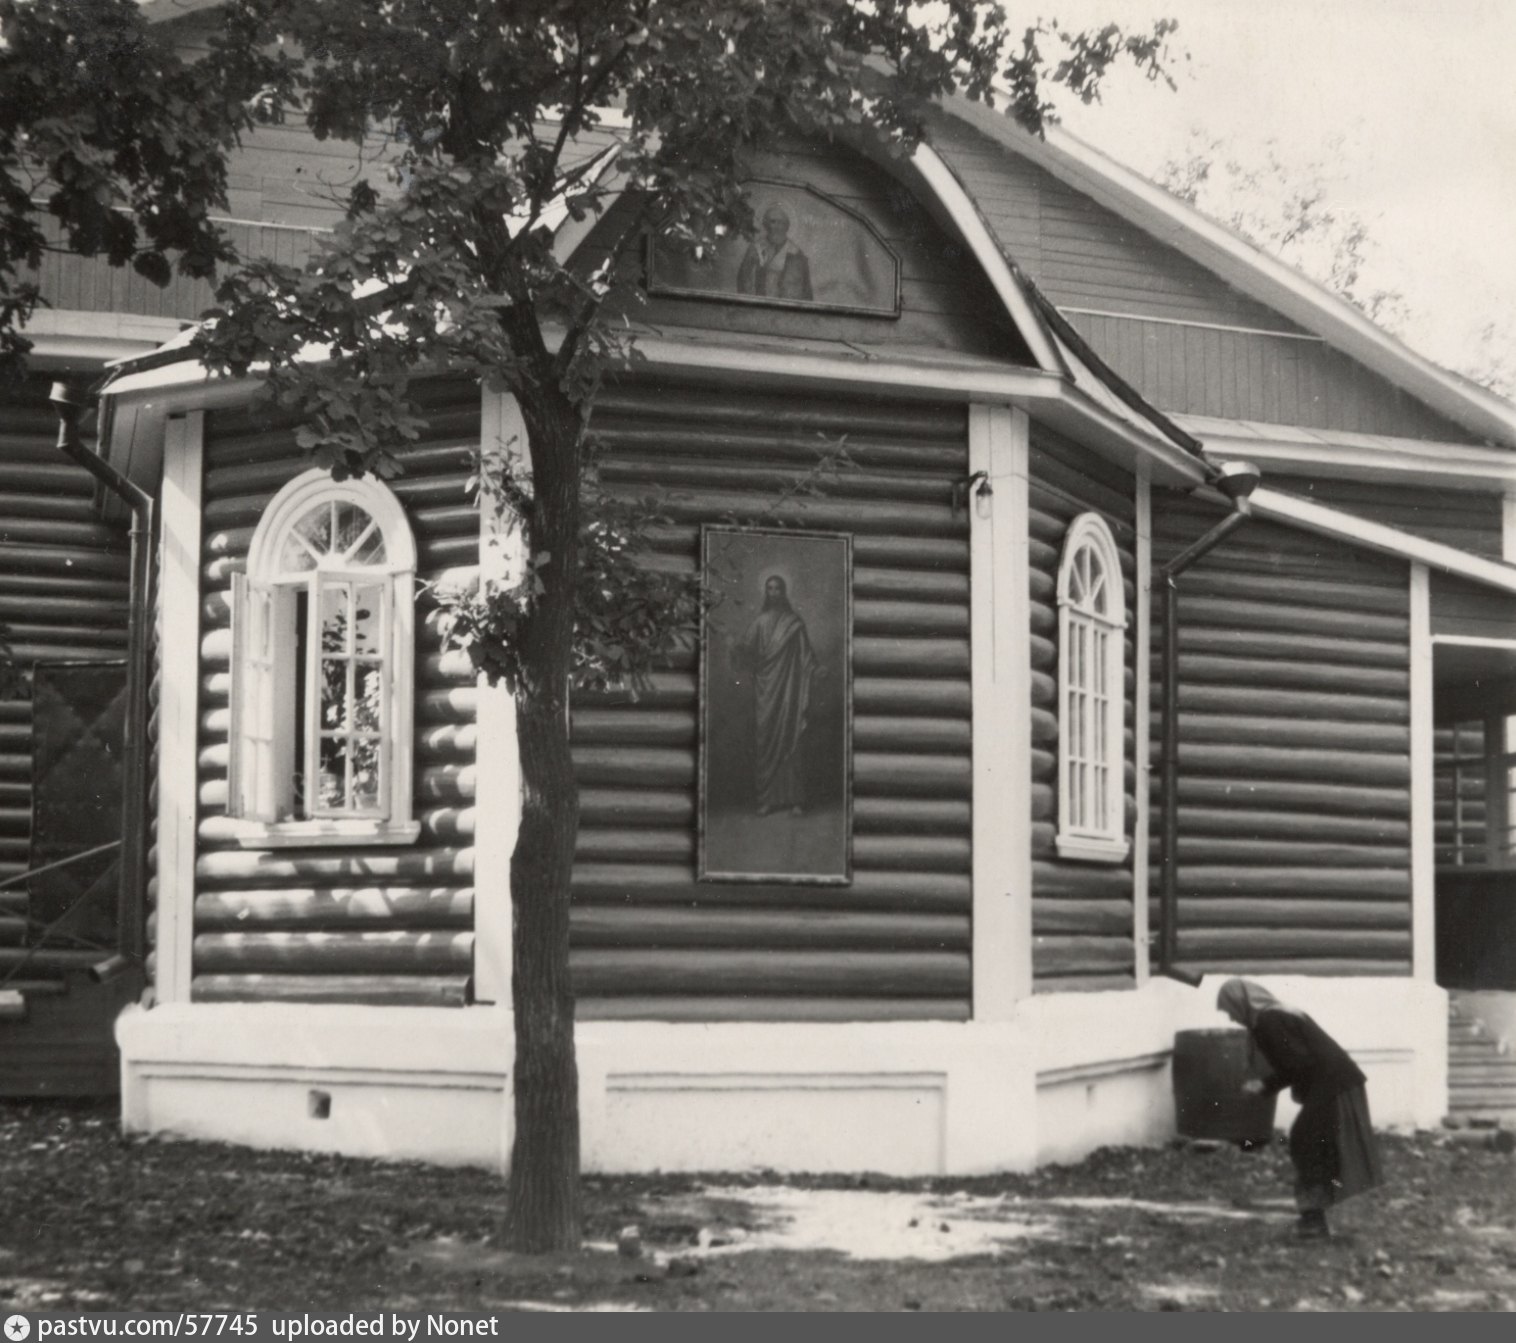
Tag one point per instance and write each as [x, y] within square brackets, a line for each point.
[95, 1221]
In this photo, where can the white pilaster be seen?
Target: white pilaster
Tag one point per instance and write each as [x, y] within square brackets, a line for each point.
[1143, 727]
[497, 771]
[1423, 837]
[1508, 528]
[1000, 600]
[179, 703]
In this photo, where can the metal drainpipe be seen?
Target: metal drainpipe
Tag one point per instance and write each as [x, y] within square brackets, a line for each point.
[70, 402]
[1237, 480]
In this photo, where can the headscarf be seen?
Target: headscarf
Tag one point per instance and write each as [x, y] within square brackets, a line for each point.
[1243, 1000]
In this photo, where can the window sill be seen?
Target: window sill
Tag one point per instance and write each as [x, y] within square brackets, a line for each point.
[323, 834]
[1086, 849]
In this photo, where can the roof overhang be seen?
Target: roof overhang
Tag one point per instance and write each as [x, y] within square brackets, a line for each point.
[1261, 277]
[1276, 506]
[1379, 458]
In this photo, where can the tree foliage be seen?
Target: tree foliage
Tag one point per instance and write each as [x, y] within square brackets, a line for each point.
[1288, 209]
[113, 145]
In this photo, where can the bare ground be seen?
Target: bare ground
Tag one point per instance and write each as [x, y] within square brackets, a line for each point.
[95, 1221]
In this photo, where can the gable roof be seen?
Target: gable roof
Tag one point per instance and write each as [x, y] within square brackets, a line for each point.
[1251, 272]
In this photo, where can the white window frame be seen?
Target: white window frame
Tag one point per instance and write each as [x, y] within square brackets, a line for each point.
[1091, 700]
[263, 674]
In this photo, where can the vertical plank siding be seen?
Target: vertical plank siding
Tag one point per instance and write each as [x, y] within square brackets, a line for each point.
[1294, 756]
[1081, 912]
[650, 941]
[1160, 320]
[384, 924]
[63, 590]
[1468, 519]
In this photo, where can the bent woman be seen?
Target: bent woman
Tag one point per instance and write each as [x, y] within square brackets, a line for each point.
[1332, 1140]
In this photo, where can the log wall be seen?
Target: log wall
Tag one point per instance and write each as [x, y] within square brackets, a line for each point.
[1468, 519]
[63, 590]
[1294, 755]
[1082, 915]
[387, 924]
[648, 939]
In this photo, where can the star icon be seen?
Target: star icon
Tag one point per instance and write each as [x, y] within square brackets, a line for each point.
[17, 1327]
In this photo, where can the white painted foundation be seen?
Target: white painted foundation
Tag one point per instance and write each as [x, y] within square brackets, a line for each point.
[1069, 1073]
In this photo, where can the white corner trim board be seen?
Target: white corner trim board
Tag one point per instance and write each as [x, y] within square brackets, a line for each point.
[179, 710]
[1000, 601]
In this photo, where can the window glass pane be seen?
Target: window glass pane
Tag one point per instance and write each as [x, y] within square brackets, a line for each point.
[365, 755]
[368, 706]
[333, 785]
[368, 621]
[350, 525]
[334, 529]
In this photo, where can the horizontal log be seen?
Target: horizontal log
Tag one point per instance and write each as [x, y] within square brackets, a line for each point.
[1299, 705]
[830, 478]
[261, 469]
[1269, 762]
[705, 441]
[644, 884]
[335, 907]
[1101, 918]
[856, 516]
[924, 698]
[877, 774]
[744, 1008]
[635, 806]
[767, 929]
[1283, 911]
[917, 815]
[902, 619]
[910, 657]
[61, 534]
[1068, 955]
[377, 990]
[60, 613]
[1250, 792]
[1208, 582]
[39, 559]
[1044, 982]
[1304, 826]
[1290, 853]
[1284, 616]
[444, 783]
[255, 867]
[1386, 738]
[642, 845]
[1373, 943]
[1370, 883]
[352, 953]
[1084, 881]
[870, 584]
[711, 409]
[923, 553]
[1301, 674]
[1063, 488]
[1207, 640]
[930, 974]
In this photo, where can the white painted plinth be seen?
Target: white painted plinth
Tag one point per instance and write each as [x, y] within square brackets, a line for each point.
[1069, 1073]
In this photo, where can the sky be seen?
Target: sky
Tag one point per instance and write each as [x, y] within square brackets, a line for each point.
[1409, 103]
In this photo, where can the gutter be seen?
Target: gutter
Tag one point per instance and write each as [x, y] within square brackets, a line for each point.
[1237, 480]
[70, 401]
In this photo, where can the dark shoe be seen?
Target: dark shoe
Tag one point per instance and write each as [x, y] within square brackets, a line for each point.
[1312, 1226]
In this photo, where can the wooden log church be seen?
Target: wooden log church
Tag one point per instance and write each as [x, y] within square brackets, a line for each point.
[878, 875]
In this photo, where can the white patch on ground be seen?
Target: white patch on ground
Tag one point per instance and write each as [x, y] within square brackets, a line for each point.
[1181, 1293]
[558, 1308]
[871, 1224]
[1096, 1203]
[892, 1224]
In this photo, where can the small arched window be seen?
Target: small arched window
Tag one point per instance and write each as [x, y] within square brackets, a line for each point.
[1091, 694]
[322, 668]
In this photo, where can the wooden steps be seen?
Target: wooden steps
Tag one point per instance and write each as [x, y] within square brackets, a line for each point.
[1481, 1070]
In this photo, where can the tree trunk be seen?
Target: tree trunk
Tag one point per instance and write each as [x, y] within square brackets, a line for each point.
[543, 1213]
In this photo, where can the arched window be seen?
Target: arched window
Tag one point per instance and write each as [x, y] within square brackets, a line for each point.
[1091, 694]
[322, 668]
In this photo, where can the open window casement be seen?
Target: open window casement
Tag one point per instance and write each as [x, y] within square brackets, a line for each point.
[1091, 695]
[322, 669]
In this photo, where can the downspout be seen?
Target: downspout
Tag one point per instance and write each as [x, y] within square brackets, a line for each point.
[1237, 480]
[70, 402]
